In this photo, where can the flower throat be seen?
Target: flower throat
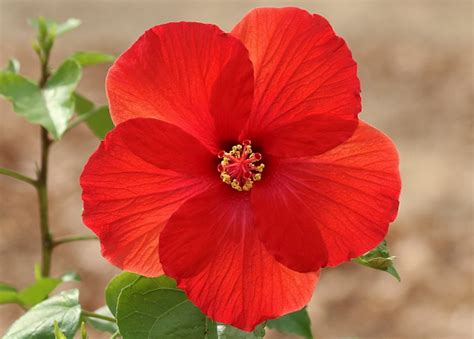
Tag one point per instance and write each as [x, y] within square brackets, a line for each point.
[240, 167]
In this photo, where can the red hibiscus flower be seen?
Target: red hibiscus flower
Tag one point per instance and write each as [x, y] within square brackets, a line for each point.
[238, 165]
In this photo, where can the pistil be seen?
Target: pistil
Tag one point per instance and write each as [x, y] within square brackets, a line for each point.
[240, 167]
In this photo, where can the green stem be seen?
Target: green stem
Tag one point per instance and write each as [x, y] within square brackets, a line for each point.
[42, 184]
[73, 238]
[42, 190]
[98, 316]
[18, 176]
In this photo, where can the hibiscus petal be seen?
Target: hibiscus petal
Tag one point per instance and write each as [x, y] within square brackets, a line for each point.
[189, 74]
[305, 81]
[128, 199]
[166, 146]
[210, 246]
[332, 207]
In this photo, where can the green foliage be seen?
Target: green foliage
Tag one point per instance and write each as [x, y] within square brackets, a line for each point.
[58, 334]
[115, 286]
[103, 325]
[297, 323]
[51, 106]
[83, 331]
[8, 294]
[38, 322]
[54, 28]
[83, 105]
[230, 332]
[92, 58]
[379, 258]
[12, 66]
[97, 118]
[47, 31]
[35, 293]
[156, 308]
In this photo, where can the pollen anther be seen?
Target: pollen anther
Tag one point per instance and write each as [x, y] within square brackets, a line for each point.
[238, 167]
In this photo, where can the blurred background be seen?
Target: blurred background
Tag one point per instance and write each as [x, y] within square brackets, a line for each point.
[416, 66]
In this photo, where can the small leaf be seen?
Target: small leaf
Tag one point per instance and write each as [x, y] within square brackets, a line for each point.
[48, 30]
[58, 334]
[58, 93]
[8, 294]
[51, 107]
[379, 258]
[52, 27]
[92, 58]
[392, 271]
[40, 290]
[230, 332]
[97, 119]
[44, 38]
[115, 286]
[70, 276]
[26, 98]
[103, 325]
[38, 322]
[13, 66]
[67, 25]
[83, 331]
[156, 308]
[83, 105]
[100, 122]
[35, 293]
[297, 323]
[38, 273]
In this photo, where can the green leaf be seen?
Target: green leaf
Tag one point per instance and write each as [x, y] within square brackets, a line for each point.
[44, 37]
[8, 294]
[70, 276]
[58, 94]
[115, 286]
[40, 290]
[83, 105]
[103, 325]
[83, 331]
[100, 122]
[12, 66]
[51, 107]
[92, 58]
[297, 323]
[35, 293]
[54, 28]
[67, 25]
[230, 332]
[156, 308]
[97, 119]
[38, 322]
[58, 334]
[379, 258]
[26, 97]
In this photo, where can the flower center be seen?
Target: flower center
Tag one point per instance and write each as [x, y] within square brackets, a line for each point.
[240, 167]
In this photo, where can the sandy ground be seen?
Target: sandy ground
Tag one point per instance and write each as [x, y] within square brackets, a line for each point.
[416, 63]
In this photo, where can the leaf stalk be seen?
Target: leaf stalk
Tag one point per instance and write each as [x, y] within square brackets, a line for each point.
[98, 316]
